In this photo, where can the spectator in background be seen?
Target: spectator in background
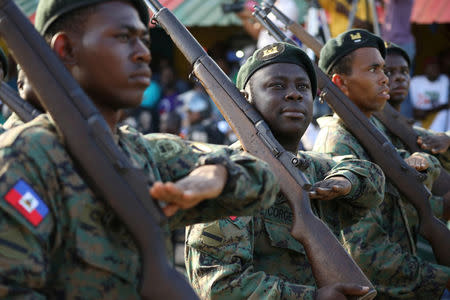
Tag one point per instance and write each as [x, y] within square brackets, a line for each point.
[429, 95]
[171, 87]
[397, 29]
[255, 30]
[338, 12]
[200, 126]
[170, 122]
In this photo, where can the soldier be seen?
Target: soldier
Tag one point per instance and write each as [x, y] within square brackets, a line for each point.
[383, 242]
[57, 239]
[256, 257]
[26, 93]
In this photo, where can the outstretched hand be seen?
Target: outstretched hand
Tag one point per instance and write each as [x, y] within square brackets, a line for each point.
[417, 161]
[437, 143]
[339, 291]
[330, 188]
[203, 183]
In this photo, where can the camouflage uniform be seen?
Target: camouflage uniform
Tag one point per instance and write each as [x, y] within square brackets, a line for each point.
[383, 242]
[256, 257]
[80, 249]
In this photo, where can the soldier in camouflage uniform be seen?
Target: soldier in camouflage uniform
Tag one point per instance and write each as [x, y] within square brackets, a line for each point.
[256, 257]
[57, 239]
[383, 242]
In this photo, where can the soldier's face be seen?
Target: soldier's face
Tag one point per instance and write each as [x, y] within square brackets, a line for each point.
[396, 68]
[282, 94]
[25, 89]
[367, 86]
[112, 56]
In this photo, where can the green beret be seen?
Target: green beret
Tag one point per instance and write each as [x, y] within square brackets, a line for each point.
[393, 48]
[48, 11]
[272, 54]
[4, 61]
[345, 43]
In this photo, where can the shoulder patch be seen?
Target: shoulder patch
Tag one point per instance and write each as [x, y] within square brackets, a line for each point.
[212, 235]
[25, 200]
[167, 148]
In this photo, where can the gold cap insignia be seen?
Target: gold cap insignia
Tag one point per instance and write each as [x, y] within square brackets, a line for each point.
[270, 52]
[356, 36]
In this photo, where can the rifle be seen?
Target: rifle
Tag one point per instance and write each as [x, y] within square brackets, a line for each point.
[22, 108]
[405, 178]
[257, 139]
[90, 143]
[392, 120]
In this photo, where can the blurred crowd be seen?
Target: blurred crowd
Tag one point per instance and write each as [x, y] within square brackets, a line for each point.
[174, 104]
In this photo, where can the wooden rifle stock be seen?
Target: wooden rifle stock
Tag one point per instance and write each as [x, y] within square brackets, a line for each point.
[90, 143]
[329, 261]
[405, 178]
[22, 108]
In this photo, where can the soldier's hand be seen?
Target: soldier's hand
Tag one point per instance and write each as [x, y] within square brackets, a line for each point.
[438, 143]
[417, 161]
[203, 183]
[330, 188]
[339, 291]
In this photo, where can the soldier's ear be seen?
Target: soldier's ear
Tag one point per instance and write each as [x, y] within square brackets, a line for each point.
[341, 83]
[62, 45]
[245, 94]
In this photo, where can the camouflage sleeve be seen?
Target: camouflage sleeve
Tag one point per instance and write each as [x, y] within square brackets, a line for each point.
[250, 186]
[392, 270]
[367, 191]
[366, 178]
[27, 225]
[219, 262]
[444, 158]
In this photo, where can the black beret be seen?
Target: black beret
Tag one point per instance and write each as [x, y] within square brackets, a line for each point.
[4, 61]
[345, 43]
[393, 48]
[272, 54]
[48, 11]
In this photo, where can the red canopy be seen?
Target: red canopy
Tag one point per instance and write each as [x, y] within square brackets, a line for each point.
[430, 11]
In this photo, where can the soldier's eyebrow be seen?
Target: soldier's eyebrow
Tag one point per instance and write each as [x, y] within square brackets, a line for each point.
[135, 29]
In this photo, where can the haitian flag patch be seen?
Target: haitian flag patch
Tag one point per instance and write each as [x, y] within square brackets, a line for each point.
[23, 198]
